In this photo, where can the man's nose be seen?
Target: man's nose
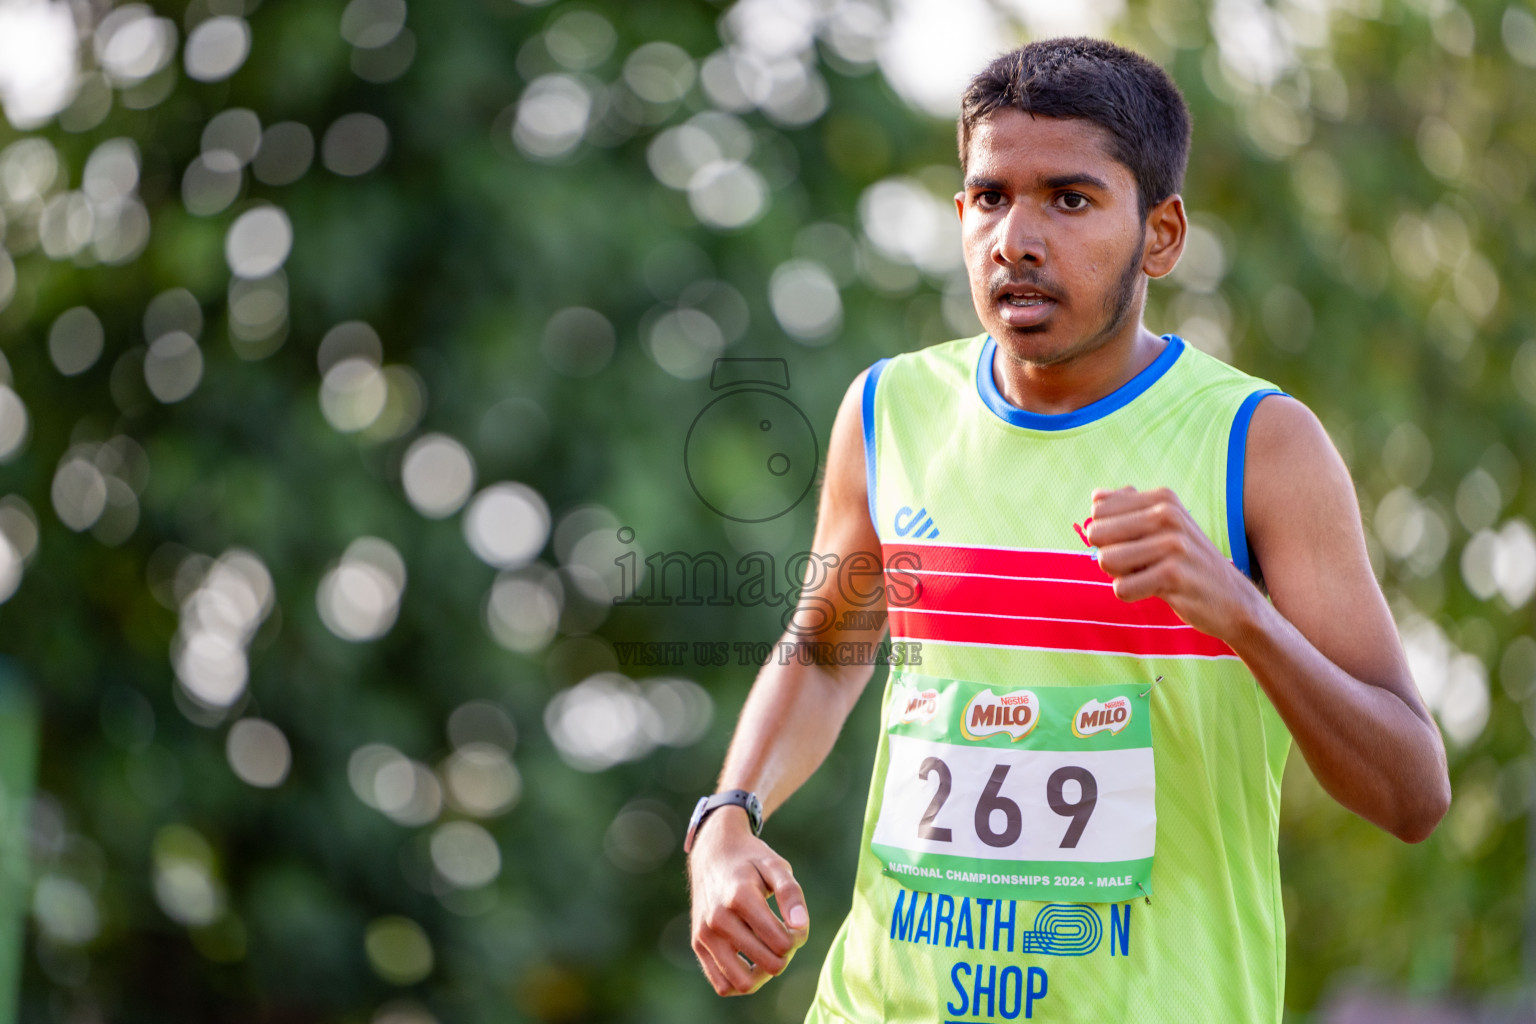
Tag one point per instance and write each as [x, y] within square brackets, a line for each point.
[1020, 242]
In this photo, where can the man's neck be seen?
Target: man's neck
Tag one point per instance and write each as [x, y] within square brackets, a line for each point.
[1068, 385]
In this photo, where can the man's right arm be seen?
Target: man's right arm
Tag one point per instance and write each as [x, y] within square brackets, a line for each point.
[788, 725]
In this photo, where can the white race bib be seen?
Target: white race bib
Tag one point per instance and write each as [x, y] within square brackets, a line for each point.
[1040, 794]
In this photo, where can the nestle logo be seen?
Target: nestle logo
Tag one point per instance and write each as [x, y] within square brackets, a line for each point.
[988, 714]
[919, 706]
[1093, 717]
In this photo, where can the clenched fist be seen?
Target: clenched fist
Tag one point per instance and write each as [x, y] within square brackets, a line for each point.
[1152, 547]
[738, 939]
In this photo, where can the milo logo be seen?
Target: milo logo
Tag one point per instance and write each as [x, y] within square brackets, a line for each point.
[917, 706]
[988, 714]
[1094, 717]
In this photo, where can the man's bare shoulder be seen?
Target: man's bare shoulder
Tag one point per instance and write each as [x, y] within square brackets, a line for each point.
[1294, 476]
[1286, 438]
[1303, 521]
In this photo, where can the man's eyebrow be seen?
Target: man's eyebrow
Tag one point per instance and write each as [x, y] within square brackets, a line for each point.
[1076, 178]
[983, 185]
[1054, 182]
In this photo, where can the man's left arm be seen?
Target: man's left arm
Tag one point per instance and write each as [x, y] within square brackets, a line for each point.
[1324, 647]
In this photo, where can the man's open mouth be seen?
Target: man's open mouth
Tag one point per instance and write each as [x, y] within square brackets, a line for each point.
[1024, 306]
[1023, 295]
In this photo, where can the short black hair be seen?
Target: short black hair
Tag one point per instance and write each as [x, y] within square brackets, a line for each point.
[1121, 91]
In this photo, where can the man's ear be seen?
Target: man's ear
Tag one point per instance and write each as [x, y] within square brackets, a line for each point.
[960, 205]
[1167, 229]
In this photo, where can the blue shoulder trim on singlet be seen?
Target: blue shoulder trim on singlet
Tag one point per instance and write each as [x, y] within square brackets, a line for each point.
[1237, 455]
[1122, 396]
[870, 383]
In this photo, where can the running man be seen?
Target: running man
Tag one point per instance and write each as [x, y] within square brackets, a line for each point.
[1135, 573]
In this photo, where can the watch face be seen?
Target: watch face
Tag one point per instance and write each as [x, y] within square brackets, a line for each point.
[755, 813]
[693, 823]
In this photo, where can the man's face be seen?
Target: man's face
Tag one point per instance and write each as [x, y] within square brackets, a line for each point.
[1053, 237]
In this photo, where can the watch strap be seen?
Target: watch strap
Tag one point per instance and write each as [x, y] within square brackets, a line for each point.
[747, 801]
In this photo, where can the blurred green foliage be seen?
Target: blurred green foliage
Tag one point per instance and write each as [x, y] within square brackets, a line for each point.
[1360, 184]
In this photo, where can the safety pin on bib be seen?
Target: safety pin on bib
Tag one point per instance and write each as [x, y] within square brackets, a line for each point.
[1144, 891]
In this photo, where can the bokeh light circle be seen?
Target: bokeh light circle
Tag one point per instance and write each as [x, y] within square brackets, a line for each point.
[217, 48]
[507, 525]
[173, 367]
[258, 752]
[481, 780]
[75, 341]
[438, 474]
[258, 242]
[398, 950]
[14, 423]
[359, 597]
[354, 144]
[465, 855]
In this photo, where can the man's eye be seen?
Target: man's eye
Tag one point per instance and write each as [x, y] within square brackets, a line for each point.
[989, 199]
[1073, 201]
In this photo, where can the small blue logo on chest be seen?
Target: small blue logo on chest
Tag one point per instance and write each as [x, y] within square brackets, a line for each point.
[918, 525]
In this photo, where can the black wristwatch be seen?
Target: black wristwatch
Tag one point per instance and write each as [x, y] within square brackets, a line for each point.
[731, 797]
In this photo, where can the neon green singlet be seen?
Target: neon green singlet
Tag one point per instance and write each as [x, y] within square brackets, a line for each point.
[1058, 753]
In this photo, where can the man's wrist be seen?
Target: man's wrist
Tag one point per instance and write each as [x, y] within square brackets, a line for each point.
[1251, 617]
[734, 818]
[707, 805]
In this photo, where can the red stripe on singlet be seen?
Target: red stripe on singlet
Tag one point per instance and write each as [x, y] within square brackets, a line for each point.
[1010, 597]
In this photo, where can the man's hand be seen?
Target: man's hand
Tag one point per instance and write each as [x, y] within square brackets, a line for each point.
[732, 874]
[1150, 544]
